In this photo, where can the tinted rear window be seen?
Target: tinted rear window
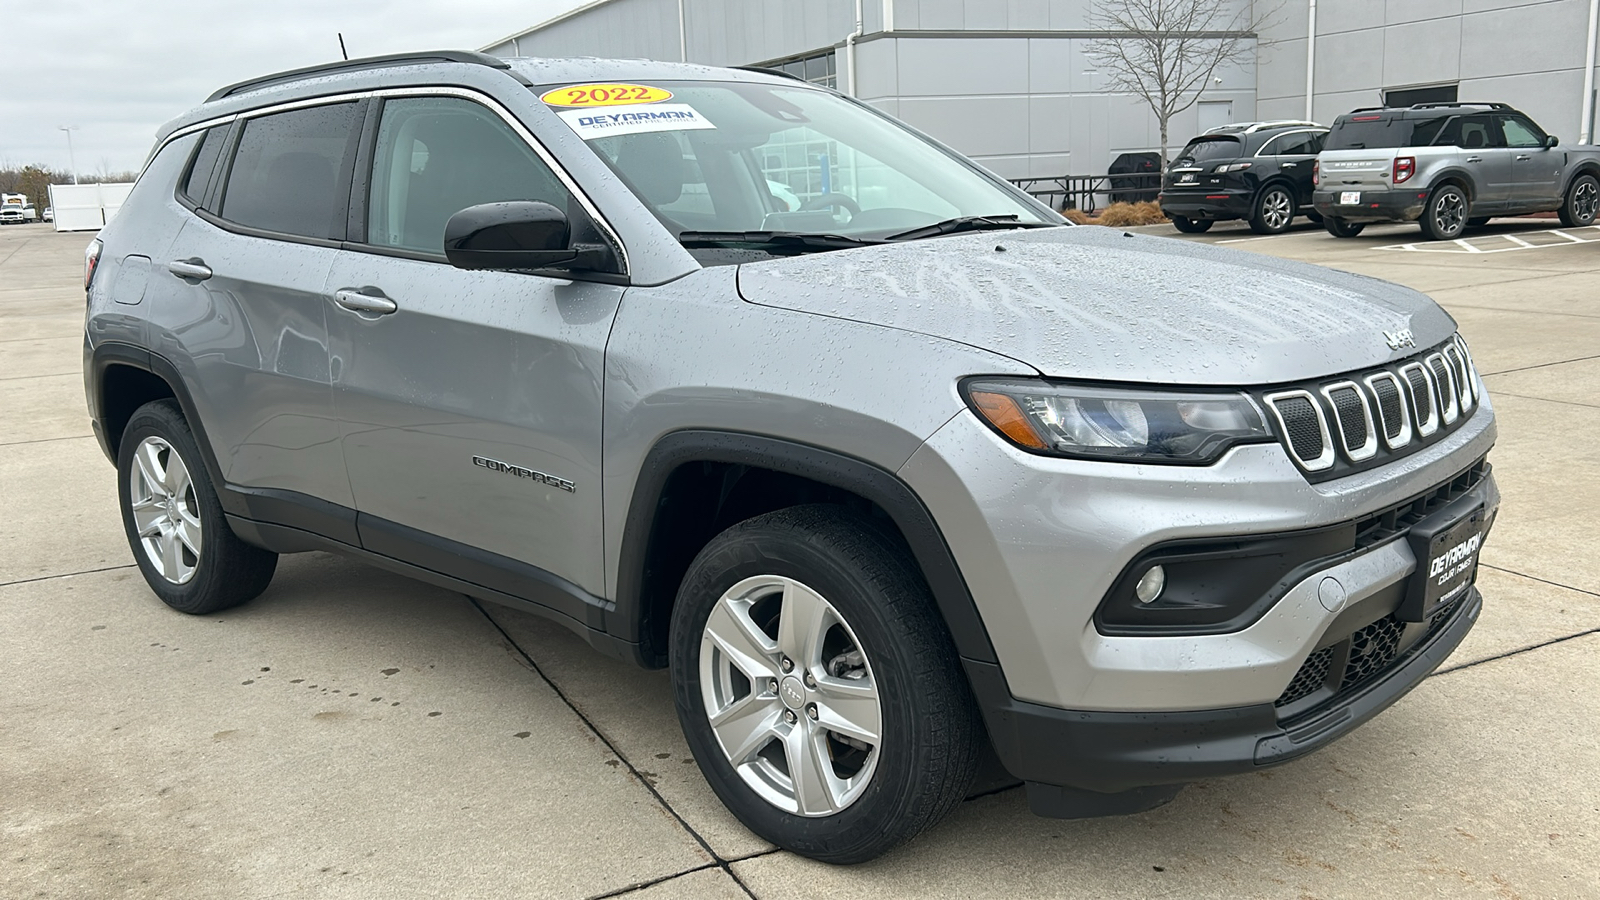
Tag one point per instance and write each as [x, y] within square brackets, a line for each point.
[1211, 148]
[1355, 134]
[289, 169]
[205, 159]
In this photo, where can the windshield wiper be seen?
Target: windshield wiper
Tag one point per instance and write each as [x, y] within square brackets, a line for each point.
[965, 223]
[797, 240]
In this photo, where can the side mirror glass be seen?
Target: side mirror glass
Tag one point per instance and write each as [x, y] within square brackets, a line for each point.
[513, 234]
[1552, 141]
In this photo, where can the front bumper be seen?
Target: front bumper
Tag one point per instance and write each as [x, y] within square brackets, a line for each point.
[1214, 204]
[1107, 753]
[1375, 206]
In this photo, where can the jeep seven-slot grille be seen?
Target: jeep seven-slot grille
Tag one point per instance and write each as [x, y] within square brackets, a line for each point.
[1342, 425]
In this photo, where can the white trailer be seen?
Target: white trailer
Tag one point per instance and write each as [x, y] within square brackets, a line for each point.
[86, 207]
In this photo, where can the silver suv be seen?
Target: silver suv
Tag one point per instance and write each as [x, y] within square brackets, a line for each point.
[733, 375]
[1449, 167]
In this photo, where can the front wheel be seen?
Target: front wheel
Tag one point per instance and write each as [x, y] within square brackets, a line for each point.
[183, 545]
[1583, 201]
[1445, 216]
[818, 690]
[1273, 211]
[1342, 228]
[1191, 226]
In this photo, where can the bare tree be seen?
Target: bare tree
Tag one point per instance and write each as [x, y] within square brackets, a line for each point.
[1167, 51]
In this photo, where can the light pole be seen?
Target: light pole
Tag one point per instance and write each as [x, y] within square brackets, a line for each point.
[71, 160]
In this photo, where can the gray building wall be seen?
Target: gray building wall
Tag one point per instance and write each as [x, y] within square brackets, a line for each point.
[1008, 82]
[1529, 53]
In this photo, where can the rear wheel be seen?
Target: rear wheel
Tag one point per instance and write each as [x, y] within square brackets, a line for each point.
[1314, 217]
[817, 688]
[1445, 216]
[184, 547]
[1582, 203]
[1342, 227]
[1273, 211]
[1190, 226]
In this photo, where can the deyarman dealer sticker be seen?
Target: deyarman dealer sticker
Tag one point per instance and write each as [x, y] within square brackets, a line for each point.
[598, 123]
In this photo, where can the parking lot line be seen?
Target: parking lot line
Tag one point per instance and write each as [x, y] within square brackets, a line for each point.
[1564, 238]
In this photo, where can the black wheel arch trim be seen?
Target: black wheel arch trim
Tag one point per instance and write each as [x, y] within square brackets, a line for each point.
[865, 479]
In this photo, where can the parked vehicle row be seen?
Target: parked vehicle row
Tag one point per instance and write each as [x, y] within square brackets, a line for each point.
[1446, 166]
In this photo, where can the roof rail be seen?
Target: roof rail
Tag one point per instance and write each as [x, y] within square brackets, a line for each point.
[360, 64]
[1505, 106]
[1283, 123]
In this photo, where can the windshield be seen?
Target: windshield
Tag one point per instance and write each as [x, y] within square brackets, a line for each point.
[720, 157]
[1206, 149]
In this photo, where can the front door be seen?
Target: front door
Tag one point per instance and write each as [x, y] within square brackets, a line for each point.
[1536, 172]
[470, 401]
[1483, 154]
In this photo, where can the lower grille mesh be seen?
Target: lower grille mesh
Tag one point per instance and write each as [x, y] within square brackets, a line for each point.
[1372, 649]
[1310, 677]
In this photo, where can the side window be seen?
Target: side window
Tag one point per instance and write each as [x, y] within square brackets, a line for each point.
[193, 185]
[436, 156]
[1316, 142]
[1425, 132]
[290, 173]
[1520, 132]
[1297, 144]
[1469, 133]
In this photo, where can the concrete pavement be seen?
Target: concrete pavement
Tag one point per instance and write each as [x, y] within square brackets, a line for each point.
[354, 734]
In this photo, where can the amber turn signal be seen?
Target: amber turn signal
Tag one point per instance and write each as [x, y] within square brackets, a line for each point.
[1004, 414]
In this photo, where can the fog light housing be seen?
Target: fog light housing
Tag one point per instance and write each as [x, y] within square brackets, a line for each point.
[1151, 585]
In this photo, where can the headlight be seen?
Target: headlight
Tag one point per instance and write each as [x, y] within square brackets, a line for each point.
[1091, 422]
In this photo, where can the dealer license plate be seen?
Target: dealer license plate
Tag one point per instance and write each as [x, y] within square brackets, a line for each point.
[1186, 178]
[1447, 562]
[1349, 198]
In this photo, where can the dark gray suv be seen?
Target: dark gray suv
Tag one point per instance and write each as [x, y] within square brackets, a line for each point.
[734, 375]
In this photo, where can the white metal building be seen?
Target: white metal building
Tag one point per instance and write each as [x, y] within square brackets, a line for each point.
[1008, 82]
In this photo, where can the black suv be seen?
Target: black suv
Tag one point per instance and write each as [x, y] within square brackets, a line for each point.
[1260, 171]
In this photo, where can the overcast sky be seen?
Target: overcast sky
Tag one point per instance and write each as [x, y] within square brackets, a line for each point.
[117, 69]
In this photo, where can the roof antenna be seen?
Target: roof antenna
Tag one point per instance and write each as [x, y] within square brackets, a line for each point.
[342, 50]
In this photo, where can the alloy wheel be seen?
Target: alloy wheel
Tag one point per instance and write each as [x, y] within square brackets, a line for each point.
[1449, 212]
[1277, 209]
[1586, 201]
[790, 696]
[166, 513]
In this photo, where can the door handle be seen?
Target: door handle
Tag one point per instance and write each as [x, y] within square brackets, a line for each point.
[1290, 165]
[195, 269]
[1474, 159]
[356, 301]
[1524, 157]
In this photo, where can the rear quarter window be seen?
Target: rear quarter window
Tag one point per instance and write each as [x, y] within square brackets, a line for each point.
[193, 185]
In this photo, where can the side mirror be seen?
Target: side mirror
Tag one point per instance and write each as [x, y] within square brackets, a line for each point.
[1551, 142]
[514, 234]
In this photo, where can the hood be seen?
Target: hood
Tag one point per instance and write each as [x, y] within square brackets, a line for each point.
[1098, 303]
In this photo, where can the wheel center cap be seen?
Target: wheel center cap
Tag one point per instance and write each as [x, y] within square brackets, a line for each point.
[792, 692]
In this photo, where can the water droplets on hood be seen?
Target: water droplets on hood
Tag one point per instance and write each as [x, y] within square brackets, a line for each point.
[1082, 302]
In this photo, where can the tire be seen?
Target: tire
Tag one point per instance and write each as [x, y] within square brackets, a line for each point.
[1313, 217]
[1583, 201]
[1191, 226]
[1342, 228]
[1445, 216]
[1273, 210]
[1477, 221]
[826, 565]
[196, 565]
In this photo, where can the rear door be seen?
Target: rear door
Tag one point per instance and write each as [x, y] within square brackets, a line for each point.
[1535, 170]
[245, 321]
[470, 400]
[1484, 156]
[1295, 151]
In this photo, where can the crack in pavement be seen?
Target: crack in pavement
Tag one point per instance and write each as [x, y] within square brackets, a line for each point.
[4, 584]
[1546, 399]
[639, 886]
[67, 437]
[1519, 651]
[718, 862]
[1559, 362]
